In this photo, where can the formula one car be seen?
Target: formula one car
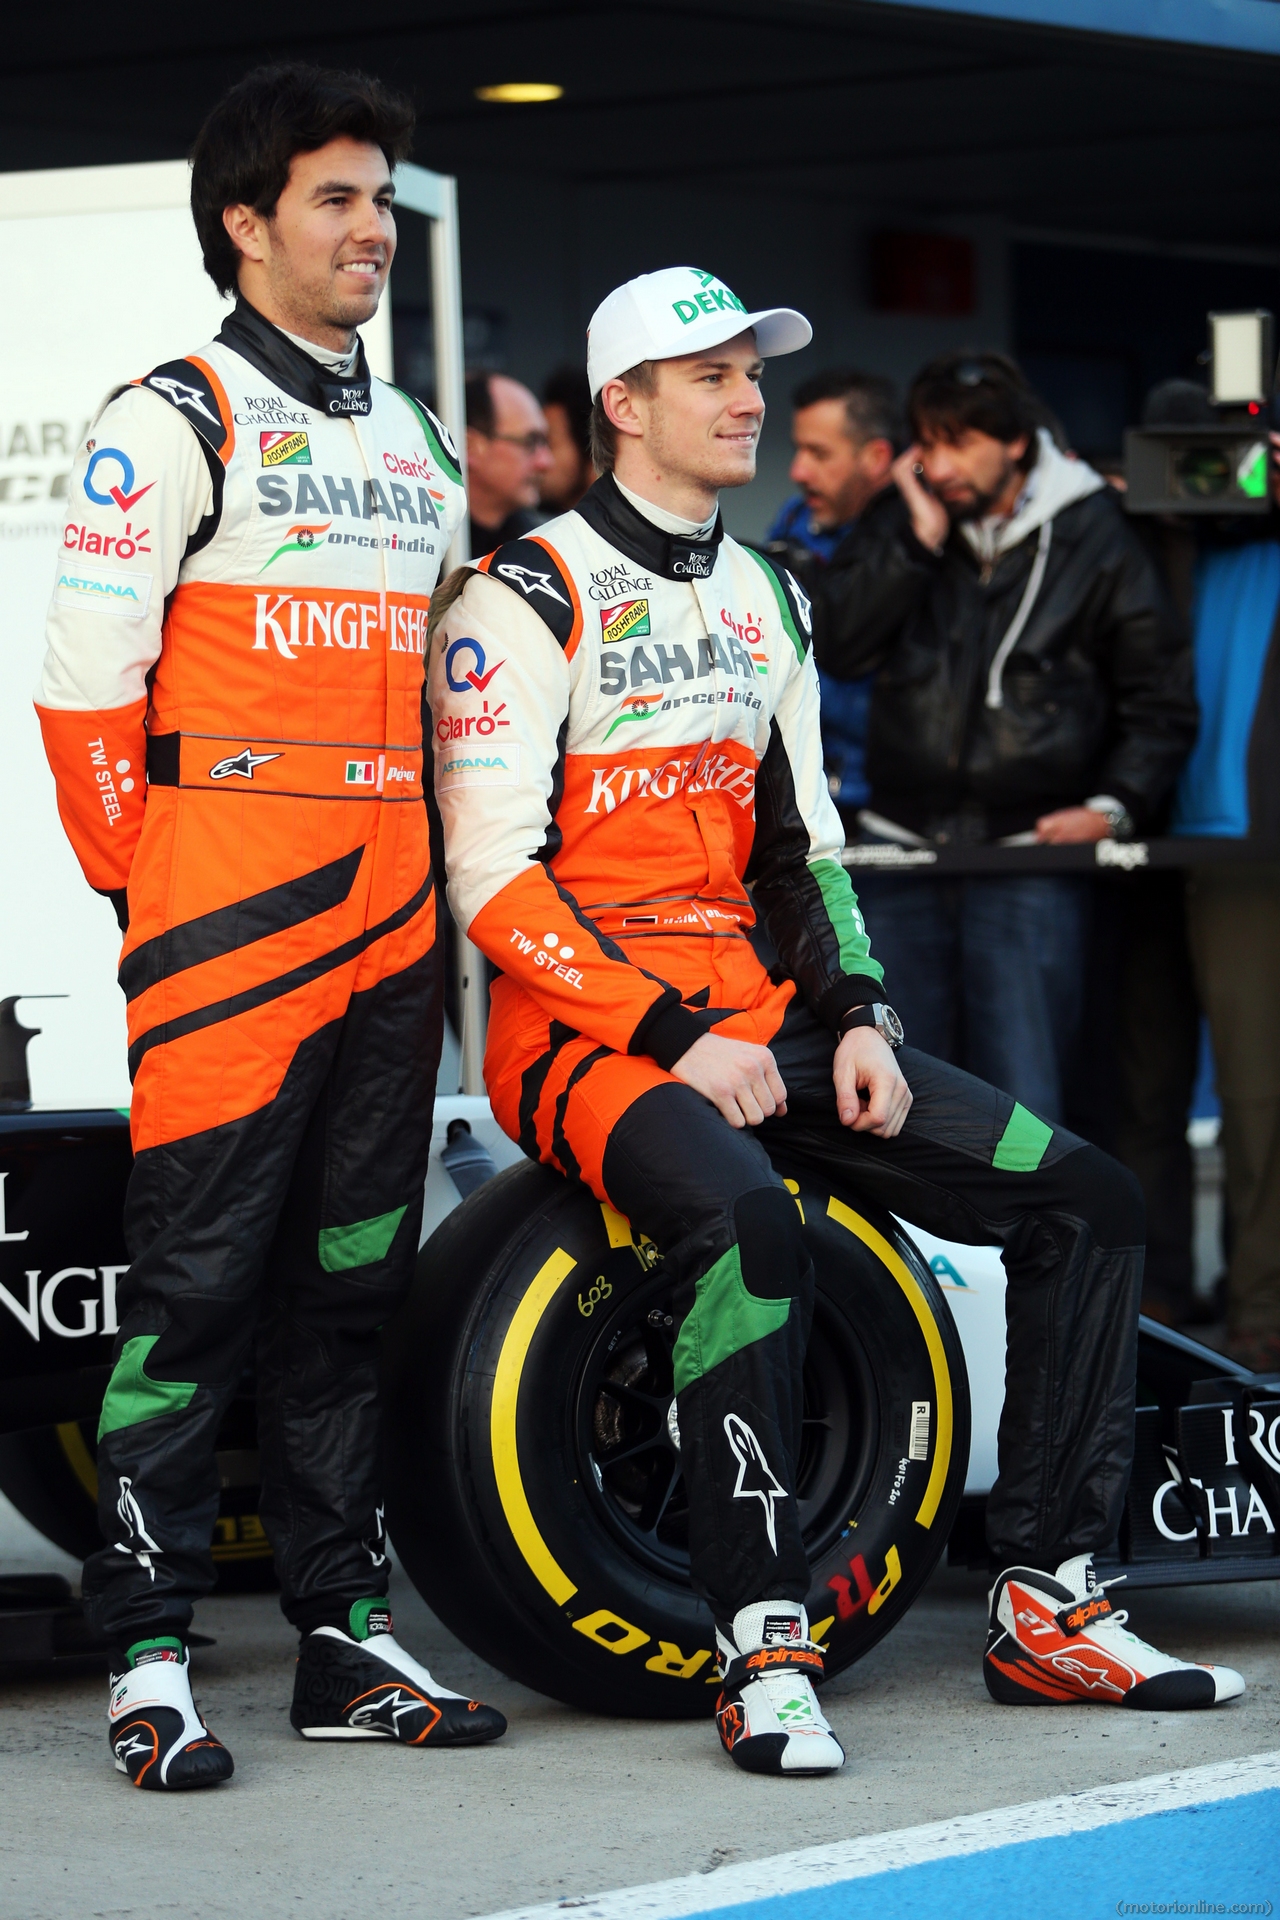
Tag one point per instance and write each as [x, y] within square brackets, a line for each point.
[536, 1497]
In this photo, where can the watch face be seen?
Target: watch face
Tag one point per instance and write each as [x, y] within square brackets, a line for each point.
[893, 1029]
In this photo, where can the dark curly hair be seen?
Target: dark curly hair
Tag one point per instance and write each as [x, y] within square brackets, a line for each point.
[975, 390]
[244, 150]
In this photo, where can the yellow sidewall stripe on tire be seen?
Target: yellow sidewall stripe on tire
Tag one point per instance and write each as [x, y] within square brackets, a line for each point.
[78, 1457]
[932, 1339]
[539, 1558]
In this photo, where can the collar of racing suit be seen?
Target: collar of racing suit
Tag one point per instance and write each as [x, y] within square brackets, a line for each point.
[670, 555]
[246, 332]
[669, 522]
[341, 364]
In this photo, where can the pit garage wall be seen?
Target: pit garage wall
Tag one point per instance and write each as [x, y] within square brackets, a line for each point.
[545, 254]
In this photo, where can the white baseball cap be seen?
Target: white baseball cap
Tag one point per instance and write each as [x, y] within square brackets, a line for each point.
[680, 310]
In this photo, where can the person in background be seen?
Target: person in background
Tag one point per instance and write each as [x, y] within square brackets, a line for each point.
[566, 401]
[1033, 685]
[846, 427]
[1157, 1007]
[508, 451]
[1230, 789]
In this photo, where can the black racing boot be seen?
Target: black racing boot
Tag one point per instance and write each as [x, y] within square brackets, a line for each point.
[767, 1714]
[157, 1736]
[362, 1685]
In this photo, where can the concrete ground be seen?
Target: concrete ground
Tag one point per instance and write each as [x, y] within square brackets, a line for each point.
[566, 1805]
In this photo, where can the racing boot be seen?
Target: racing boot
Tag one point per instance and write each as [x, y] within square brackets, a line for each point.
[1054, 1639]
[768, 1716]
[362, 1685]
[157, 1736]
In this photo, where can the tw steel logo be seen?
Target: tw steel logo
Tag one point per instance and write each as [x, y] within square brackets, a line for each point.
[289, 624]
[706, 773]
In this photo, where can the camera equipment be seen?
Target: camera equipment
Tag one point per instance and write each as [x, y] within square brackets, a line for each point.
[1208, 452]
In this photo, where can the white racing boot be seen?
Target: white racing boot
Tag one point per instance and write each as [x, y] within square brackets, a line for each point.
[767, 1713]
[157, 1736]
[1053, 1639]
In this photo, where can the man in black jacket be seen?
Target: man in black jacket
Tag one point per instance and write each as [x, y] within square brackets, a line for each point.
[1033, 685]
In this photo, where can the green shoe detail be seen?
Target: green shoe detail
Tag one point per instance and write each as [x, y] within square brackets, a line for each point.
[360, 1244]
[132, 1396]
[368, 1617]
[138, 1652]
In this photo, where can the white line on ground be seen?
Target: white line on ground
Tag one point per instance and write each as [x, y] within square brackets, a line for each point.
[784, 1873]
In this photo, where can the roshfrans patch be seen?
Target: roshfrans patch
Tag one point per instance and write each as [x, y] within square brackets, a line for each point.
[626, 619]
[290, 449]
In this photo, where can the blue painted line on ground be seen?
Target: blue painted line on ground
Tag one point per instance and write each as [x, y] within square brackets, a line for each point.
[1225, 1854]
[1199, 1840]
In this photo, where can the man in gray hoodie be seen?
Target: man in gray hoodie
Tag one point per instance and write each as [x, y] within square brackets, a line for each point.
[1033, 684]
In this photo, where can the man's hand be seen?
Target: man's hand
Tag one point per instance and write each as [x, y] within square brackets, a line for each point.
[736, 1076]
[1070, 826]
[929, 519]
[871, 1094]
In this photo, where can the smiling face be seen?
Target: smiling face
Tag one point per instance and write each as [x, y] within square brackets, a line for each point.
[698, 431]
[317, 265]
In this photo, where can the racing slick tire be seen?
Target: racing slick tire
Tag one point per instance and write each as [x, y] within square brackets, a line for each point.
[534, 1489]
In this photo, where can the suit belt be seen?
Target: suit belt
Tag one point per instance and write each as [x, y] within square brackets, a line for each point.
[302, 769]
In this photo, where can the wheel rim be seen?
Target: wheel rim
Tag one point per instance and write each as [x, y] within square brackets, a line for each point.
[628, 1456]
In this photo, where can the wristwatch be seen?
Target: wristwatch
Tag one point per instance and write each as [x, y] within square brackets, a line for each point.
[1117, 816]
[877, 1015]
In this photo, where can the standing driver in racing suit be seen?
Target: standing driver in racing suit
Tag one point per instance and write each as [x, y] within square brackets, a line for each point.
[241, 610]
[626, 738]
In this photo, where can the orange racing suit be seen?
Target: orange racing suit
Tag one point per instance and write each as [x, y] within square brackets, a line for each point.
[628, 766]
[231, 704]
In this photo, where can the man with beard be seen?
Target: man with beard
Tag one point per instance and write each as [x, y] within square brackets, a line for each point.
[1033, 685]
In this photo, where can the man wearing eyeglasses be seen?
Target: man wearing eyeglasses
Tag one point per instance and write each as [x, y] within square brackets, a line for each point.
[508, 451]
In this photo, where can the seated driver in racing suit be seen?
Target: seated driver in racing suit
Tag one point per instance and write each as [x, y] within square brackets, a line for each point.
[626, 739]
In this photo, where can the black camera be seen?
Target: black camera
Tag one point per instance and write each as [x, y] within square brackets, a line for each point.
[1214, 457]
